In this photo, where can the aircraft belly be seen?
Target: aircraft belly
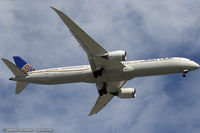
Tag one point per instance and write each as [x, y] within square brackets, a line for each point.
[73, 77]
[59, 77]
[116, 75]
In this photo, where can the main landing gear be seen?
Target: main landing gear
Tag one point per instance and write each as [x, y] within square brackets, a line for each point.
[98, 73]
[184, 73]
[103, 90]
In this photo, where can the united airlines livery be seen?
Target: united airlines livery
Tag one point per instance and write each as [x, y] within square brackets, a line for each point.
[108, 70]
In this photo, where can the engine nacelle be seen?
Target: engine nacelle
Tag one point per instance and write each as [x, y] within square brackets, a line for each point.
[127, 93]
[119, 55]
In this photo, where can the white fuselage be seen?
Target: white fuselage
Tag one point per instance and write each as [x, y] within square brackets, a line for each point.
[133, 69]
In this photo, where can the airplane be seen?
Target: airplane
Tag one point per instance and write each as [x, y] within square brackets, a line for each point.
[108, 70]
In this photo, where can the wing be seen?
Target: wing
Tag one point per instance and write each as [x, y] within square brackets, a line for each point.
[102, 101]
[94, 52]
[92, 48]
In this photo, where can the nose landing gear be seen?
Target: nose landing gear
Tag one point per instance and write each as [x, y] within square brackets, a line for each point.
[185, 72]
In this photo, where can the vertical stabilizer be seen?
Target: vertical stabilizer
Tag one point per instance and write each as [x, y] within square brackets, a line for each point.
[22, 64]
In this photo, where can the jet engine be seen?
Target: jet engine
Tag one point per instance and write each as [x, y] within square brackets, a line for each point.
[127, 93]
[119, 55]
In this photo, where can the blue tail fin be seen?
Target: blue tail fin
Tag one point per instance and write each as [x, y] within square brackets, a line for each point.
[22, 64]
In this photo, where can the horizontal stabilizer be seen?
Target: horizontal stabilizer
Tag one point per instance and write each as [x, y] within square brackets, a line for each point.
[16, 70]
[20, 86]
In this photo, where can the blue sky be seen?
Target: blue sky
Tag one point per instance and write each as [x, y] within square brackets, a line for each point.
[144, 28]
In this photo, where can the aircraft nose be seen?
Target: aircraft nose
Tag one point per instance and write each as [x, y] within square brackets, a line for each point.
[195, 65]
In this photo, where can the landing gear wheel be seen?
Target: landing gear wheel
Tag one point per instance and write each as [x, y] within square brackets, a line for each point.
[103, 90]
[100, 92]
[101, 71]
[98, 72]
[184, 73]
[95, 73]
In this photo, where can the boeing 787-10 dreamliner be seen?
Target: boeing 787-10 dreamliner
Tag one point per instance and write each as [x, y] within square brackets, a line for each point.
[108, 70]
